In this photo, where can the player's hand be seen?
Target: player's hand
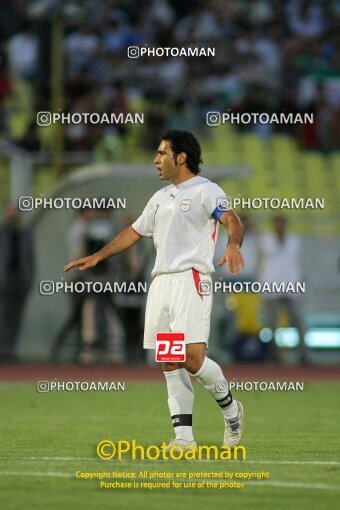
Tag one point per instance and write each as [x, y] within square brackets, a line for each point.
[233, 258]
[83, 263]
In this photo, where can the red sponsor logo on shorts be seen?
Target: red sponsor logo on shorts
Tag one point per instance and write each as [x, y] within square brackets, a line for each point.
[170, 347]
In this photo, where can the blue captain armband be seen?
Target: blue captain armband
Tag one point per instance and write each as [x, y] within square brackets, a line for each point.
[217, 214]
[223, 205]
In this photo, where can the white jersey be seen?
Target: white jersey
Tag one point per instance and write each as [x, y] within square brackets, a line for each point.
[180, 220]
[280, 261]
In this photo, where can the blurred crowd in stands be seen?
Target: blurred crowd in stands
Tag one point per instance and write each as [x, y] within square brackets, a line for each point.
[271, 56]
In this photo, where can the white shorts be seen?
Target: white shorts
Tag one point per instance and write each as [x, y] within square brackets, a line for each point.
[179, 303]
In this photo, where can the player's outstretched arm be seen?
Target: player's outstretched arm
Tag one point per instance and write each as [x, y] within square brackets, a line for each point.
[128, 237]
[233, 256]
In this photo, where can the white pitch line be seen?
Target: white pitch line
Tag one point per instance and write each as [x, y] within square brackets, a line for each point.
[302, 462]
[278, 462]
[43, 473]
[49, 458]
[295, 485]
[271, 483]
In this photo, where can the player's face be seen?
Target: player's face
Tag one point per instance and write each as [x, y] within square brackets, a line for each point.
[167, 168]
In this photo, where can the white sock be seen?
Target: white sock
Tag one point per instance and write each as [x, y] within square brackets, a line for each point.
[180, 401]
[210, 375]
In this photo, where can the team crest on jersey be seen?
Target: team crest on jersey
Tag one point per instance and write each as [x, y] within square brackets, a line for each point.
[185, 204]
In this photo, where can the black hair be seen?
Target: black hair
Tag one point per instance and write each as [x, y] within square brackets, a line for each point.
[184, 141]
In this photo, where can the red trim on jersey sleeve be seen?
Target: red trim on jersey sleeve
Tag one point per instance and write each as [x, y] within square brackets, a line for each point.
[213, 236]
[197, 279]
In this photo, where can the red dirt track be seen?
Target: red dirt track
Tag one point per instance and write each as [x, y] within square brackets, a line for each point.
[239, 372]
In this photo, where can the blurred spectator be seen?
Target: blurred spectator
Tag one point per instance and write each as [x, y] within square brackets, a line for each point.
[306, 18]
[181, 114]
[5, 88]
[23, 53]
[5, 81]
[16, 274]
[109, 146]
[271, 56]
[155, 123]
[279, 254]
[117, 103]
[81, 46]
[114, 36]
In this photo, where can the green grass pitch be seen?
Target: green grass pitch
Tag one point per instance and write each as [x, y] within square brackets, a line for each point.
[46, 437]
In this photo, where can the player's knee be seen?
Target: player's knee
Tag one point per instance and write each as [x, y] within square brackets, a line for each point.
[195, 355]
[193, 363]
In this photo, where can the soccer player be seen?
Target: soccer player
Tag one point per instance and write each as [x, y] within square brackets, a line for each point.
[182, 218]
